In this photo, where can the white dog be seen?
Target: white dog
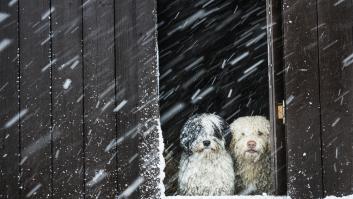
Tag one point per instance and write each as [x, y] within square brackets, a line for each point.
[206, 168]
[250, 148]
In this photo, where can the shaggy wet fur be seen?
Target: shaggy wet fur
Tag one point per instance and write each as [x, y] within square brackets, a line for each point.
[205, 170]
[252, 164]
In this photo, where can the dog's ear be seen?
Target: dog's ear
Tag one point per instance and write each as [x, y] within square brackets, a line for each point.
[185, 142]
[232, 140]
[188, 133]
[227, 134]
[223, 130]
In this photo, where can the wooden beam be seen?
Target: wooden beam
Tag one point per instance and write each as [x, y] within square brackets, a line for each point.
[35, 98]
[336, 87]
[304, 168]
[9, 103]
[150, 133]
[276, 87]
[99, 100]
[127, 92]
[67, 97]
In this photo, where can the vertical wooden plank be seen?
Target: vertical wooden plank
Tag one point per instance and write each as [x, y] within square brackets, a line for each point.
[127, 91]
[99, 81]
[276, 80]
[150, 149]
[9, 103]
[336, 86]
[68, 164]
[302, 99]
[35, 98]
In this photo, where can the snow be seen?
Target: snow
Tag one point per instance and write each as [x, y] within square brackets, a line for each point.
[74, 59]
[12, 2]
[256, 39]
[336, 122]
[120, 106]
[161, 160]
[338, 2]
[203, 94]
[173, 111]
[23, 160]
[4, 44]
[131, 188]
[47, 13]
[343, 197]
[73, 66]
[194, 63]
[100, 175]
[230, 93]
[228, 197]
[247, 197]
[33, 191]
[41, 143]
[67, 84]
[348, 60]
[198, 92]
[289, 99]
[253, 67]
[106, 105]
[3, 16]
[48, 65]
[239, 58]
[15, 118]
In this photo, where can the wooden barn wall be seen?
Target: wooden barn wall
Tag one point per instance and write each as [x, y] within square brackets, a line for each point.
[318, 82]
[65, 67]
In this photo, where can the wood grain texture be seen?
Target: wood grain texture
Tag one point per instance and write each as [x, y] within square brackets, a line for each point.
[336, 87]
[276, 85]
[9, 104]
[150, 159]
[35, 98]
[67, 74]
[127, 89]
[304, 167]
[99, 81]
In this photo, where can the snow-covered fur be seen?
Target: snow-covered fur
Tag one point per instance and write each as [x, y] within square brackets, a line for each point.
[206, 168]
[250, 147]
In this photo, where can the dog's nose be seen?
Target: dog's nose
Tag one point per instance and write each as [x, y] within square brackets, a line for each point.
[206, 143]
[251, 144]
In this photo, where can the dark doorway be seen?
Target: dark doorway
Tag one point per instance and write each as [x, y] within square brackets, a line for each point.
[213, 59]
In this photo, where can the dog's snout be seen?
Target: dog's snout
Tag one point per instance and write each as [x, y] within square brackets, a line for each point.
[251, 144]
[206, 143]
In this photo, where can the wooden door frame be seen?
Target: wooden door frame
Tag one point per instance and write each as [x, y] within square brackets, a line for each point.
[151, 146]
[276, 94]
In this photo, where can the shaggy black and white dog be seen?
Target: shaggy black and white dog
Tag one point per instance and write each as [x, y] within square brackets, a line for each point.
[206, 168]
[250, 147]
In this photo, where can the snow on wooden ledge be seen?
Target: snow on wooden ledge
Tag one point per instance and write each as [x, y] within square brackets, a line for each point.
[227, 197]
[245, 197]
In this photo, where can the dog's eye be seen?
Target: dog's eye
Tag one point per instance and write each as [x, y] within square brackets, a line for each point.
[218, 135]
[260, 133]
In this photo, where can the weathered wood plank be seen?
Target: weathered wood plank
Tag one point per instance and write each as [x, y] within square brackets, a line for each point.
[127, 91]
[9, 103]
[276, 83]
[35, 98]
[99, 81]
[302, 99]
[150, 133]
[336, 72]
[68, 161]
